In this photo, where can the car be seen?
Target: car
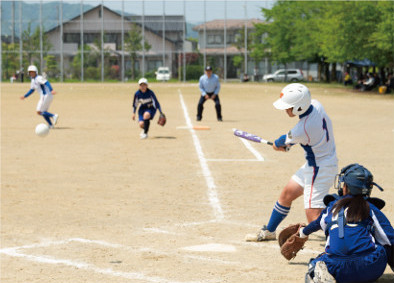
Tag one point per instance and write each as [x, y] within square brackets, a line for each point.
[293, 75]
[163, 74]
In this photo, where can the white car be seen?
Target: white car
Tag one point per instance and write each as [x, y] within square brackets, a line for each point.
[293, 75]
[163, 74]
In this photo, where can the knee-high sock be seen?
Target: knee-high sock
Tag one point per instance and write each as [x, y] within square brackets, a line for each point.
[47, 116]
[278, 214]
[146, 126]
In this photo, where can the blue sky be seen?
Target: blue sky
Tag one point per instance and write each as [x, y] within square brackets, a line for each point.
[215, 9]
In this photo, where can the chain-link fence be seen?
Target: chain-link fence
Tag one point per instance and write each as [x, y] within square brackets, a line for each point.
[90, 40]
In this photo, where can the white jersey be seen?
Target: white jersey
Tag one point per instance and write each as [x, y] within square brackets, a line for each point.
[40, 84]
[315, 134]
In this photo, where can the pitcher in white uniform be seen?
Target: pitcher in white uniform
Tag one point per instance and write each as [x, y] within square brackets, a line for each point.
[46, 95]
[314, 132]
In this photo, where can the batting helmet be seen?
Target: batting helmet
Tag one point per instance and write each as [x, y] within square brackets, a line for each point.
[358, 180]
[294, 95]
[32, 68]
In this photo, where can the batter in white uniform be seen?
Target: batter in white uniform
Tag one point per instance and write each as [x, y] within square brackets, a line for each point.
[314, 133]
[46, 95]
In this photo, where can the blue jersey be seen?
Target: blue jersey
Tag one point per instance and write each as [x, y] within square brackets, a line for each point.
[146, 100]
[358, 238]
[209, 85]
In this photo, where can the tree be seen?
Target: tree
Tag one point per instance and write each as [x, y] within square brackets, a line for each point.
[240, 45]
[133, 44]
[279, 39]
[10, 59]
[31, 45]
[382, 39]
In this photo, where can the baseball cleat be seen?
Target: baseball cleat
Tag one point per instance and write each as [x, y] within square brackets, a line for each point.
[263, 235]
[55, 118]
[321, 273]
[143, 136]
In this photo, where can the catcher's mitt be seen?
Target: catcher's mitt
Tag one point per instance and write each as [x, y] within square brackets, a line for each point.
[162, 119]
[290, 241]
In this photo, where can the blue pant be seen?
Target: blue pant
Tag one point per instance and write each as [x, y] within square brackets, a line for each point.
[142, 110]
[363, 268]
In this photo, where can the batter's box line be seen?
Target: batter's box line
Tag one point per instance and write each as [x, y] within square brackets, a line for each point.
[235, 160]
[14, 252]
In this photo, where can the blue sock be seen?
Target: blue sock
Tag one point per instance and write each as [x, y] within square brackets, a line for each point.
[47, 117]
[45, 113]
[278, 214]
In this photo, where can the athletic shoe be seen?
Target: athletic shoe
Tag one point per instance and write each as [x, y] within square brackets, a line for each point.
[50, 126]
[55, 118]
[220, 119]
[198, 119]
[321, 274]
[143, 136]
[263, 235]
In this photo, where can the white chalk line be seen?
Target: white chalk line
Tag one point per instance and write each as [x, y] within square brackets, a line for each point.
[14, 252]
[80, 265]
[234, 160]
[251, 149]
[212, 193]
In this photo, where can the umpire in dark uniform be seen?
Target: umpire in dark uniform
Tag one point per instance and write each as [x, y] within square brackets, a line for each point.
[209, 87]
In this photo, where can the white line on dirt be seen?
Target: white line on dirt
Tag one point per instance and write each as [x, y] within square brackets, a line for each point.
[234, 160]
[212, 193]
[14, 252]
[251, 149]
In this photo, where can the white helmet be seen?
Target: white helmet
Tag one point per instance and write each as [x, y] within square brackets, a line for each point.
[294, 95]
[143, 81]
[32, 68]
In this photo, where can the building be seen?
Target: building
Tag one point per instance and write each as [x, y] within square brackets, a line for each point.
[165, 40]
[217, 40]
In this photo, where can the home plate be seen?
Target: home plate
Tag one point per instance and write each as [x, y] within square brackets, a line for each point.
[211, 248]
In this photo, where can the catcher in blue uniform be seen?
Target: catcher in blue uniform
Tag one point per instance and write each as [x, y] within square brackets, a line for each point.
[360, 238]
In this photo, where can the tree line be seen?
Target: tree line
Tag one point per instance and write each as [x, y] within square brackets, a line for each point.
[326, 32]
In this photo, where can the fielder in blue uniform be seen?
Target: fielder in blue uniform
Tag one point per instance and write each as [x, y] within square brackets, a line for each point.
[360, 238]
[209, 88]
[46, 95]
[148, 102]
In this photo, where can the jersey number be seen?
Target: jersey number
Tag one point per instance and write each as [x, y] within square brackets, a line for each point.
[325, 128]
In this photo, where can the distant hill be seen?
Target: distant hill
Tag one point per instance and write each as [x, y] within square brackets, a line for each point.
[50, 16]
[31, 14]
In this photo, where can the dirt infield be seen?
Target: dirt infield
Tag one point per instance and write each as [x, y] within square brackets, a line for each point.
[91, 202]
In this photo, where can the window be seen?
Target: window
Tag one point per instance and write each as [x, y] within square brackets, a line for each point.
[215, 39]
[71, 38]
[230, 38]
[211, 39]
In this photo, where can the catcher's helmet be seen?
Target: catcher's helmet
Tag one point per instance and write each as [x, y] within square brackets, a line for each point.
[294, 95]
[358, 180]
[32, 68]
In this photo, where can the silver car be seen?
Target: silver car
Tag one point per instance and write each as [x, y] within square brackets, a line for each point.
[293, 75]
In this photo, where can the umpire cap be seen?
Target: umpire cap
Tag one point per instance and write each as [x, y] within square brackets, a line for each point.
[208, 68]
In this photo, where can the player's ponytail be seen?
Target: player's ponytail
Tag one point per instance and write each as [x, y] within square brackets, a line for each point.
[357, 208]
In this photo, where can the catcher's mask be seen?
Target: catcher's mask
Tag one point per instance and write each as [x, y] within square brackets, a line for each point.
[358, 180]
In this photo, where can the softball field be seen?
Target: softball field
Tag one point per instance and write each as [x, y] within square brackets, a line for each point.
[91, 202]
